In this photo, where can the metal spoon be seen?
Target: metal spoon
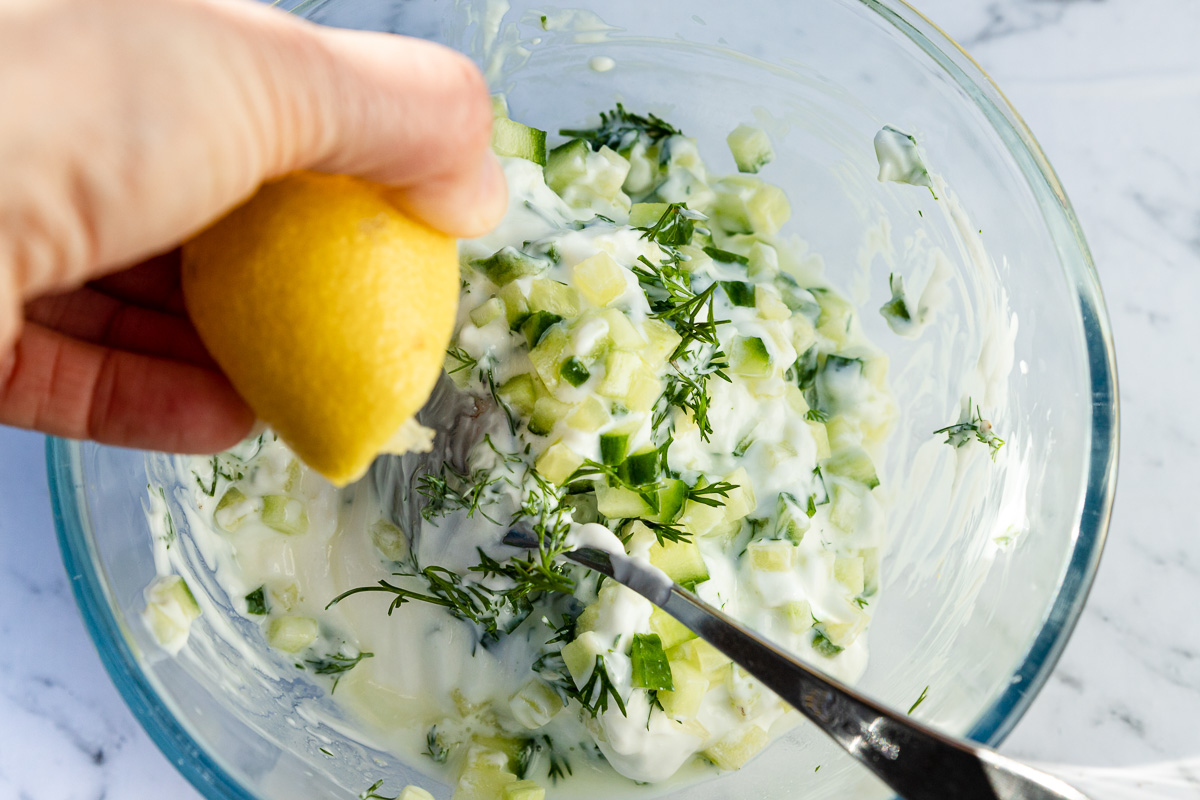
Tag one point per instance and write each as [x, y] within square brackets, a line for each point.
[917, 762]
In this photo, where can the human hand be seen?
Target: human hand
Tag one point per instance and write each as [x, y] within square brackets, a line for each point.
[130, 125]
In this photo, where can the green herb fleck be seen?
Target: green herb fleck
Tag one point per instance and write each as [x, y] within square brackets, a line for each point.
[921, 699]
[256, 601]
[974, 427]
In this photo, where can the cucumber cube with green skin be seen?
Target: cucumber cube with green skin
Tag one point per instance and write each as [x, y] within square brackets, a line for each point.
[536, 324]
[566, 164]
[737, 747]
[256, 602]
[763, 261]
[747, 205]
[574, 371]
[836, 316]
[619, 369]
[524, 790]
[613, 448]
[740, 500]
[590, 415]
[600, 279]
[580, 656]
[546, 413]
[749, 358]
[558, 463]
[170, 610]
[739, 293]
[234, 508]
[516, 140]
[291, 634]
[284, 514]
[791, 521]
[699, 519]
[616, 502]
[516, 304]
[508, 264]
[798, 615]
[484, 313]
[389, 540]
[547, 355]
[644, 215]
[520, 393]
[684, 700]
[640, 468]
[535, 704]
[482, 783]
[554, 297]
[671, 497]
[681, 561]
[770, 305]
[651, 670]
[853, 463]
[670, 631]
[751, 148]
[771, 555]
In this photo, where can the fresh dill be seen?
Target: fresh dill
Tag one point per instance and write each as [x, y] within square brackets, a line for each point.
[372, 793]
[559, 766]
[666, 531]
[336, 664]
[921, 699]
[451, 490]
[708, 494]
[973, 427]
[595, 694]
[228, 474]
[434, 748]
[675, 227]
[256, 602]
[816, 415]
[465, 362]
[619, 128]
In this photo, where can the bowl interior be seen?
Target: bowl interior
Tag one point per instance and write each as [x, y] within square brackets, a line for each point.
[989, 560]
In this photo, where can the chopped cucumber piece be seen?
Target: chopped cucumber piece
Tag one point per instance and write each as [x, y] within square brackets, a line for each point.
[749, 358]
[844, 634]
[644, 215]
[798, 615]
[546, 413]
[821, 437]
[820, 494]
[520, 393]
[523, 790]
[684, 700]
[234, 508]
[291, 634]
[516, 140]
[739, 293]
[547, 355]
[170, 610]
[770, 305]
[848, 571]
[516, 304]
[574, 371]
[682, 562]
[566, 164]
[791, 521]
[717, 254]
[613, 448]
[853, 463]
[701, 655]
[536, 324]
[771, 555]
[651, 670]
[554, 297]
[740, 500]
[482, 783]
[641, 468]
[671, 497]
[847, 508]
[284, 514]
[411, 792]
[670, 630]
[621, 332]
[737, 747]
[823, 645]
[535, 704]
[619, 369]
[508, 264]
[699, 519]
[644, 390]
[751, 148]
[484, 313]
[600, 279]
[836, 316]
[616, 502]
[685, 186]
[580, 656]
[558, 463]
[747, 205]
[590, 415]
[661, 341]
[899, 159]
[389, 540]
[256, 602]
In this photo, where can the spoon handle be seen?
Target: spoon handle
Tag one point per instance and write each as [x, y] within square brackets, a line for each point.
[914, 760]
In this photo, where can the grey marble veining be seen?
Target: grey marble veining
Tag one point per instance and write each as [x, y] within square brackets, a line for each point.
[1111, 88]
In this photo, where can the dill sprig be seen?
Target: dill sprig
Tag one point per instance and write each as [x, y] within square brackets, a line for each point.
[973, 427]
[595, 694]
[434, 748]
[464, 359]
[336, 664]
[466, 600]
[708, 494]
[619, 128]
[675, 227]
[451, 490]
[921, 699]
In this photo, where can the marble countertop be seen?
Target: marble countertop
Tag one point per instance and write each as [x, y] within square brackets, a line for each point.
[1112, 90]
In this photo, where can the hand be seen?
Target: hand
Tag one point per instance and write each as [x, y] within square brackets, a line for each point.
[131, 124]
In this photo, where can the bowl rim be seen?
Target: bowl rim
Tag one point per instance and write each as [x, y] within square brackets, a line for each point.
[213, 781]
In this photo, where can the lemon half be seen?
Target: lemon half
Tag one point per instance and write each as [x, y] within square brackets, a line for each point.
[330, 310]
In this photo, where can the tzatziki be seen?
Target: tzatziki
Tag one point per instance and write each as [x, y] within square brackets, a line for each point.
[641, 370]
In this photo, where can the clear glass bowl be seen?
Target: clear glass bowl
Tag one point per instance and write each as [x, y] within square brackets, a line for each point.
[990, 562]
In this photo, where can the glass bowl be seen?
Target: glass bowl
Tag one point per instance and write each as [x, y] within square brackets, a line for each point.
[990, 560]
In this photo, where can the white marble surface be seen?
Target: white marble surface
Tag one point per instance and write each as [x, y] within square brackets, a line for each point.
[1112, 90]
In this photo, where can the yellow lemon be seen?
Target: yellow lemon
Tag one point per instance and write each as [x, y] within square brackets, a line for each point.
[330, 311]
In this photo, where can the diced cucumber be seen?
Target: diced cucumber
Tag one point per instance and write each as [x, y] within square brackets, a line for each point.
[690, 687]
[899, 159]
[291, 634]
[847, 508]
[555, 298]
[791, 522]
[844, 634]
[516, 140]
[482, 783]
[484, 313]
[870, 557]
[546, 413]
[389, 540]
[671, 497]
[616, 502]
[682, 562]
[740, 500]
[685, 186]
[523, 790]
[600, 279]
[411, 792]
[508, 264]
[619, 369]
[798, 615]
[590, 415]
[739, 293]
[536, 324]
[520, 393]
[771, 555]
[580, 656]
[769, 304]
[670, 630]
[640, 468]
[516, 304]
[256, 602]
[574, 371]
[170, 610]
[644, 215]
[737, 747]
[751, 148]
[749, 358]
[763, 261]
[699, 519]
[547, 355]
[821, 437]
[614, 447]
[621, 332]
[820, 493]
[566, 164]
[661, 341]
[651, 670]
[644, 167]
[853, 463]
[701, 655]
[535, 704]
[234, 508]
[284, 514]
[607, 172]
[644, 390]
[747, 205]
[836, 316]
[848, 571]
[557, 463]
[681, 151]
